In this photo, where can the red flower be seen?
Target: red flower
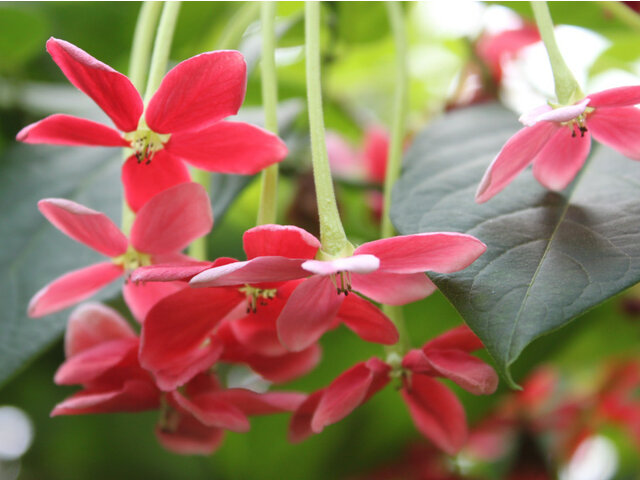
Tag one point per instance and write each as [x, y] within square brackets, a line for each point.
[557, 140]
[497, 48]
[436, 411]
[162, 228]
[182, 121]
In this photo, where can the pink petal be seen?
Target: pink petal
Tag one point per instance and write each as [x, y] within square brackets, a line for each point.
[142, 182]
[140, 298]
[214, 412]
[279, 241]
[300, 425]
[67, 130]
[530, 118]
[169, 272]
[228, 147]
[367, 321]
[89, 364]
[558, 115]
[439, 252]
[72, 287]
[355, 264]
[112, 91]
[436, 412]
[514, 157]
[344, 161]
[309, 313]
[132, 396]
[287, 367]
[190, 437]
[257, 270]
[459, 338]
[175, 342]
[172, 219]
[252, 403]
[618, 128]
[376, 151]
[93, 229]
[560, 160]
[393, 288]
[91, 324]
[348, 391]
[198, 92]
[615, 97]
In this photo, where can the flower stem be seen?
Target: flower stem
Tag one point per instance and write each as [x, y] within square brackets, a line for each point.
[138, 66]
[162, 48]
[394, 161]
[623, 13]
[233, 32]
[332, 235]
[567, 89]
[267, 209]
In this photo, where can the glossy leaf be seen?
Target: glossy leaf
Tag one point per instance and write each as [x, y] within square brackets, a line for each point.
[550, 256]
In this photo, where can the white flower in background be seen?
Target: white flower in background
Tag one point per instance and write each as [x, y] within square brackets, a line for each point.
[16, 433]
[594, 459]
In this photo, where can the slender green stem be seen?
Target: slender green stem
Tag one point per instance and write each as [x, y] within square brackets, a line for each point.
[267, 210]
[623, 13]
[138, 66]
[142, 41]
[162, 48]
[567, 89]
[233, 32]
[332, 235]
[394, 161]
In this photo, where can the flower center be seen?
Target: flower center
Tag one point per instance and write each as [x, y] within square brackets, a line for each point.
[132, 259]
[579, 124]
[145, 142]
[257, 295]
[342, 282]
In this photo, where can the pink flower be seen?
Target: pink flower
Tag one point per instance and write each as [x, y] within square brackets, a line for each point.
[557, 140]
[495, 49]
[436, 411]
[389, 271]
[182, 121]
[162, 228]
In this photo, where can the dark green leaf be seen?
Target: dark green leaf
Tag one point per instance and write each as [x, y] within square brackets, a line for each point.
[550, 256]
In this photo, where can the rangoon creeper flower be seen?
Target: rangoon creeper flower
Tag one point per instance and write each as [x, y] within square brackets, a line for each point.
[163, 227]
[102, 356]
[389, 271]
[557, 140]
[435, 410]
[181, 123]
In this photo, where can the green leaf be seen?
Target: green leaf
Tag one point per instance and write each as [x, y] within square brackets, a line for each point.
[550, 256]
[33, 252]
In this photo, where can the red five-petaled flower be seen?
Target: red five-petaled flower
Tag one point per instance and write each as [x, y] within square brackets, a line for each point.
[182, 121]
[435, 410]
[162, 228]
[557, 140]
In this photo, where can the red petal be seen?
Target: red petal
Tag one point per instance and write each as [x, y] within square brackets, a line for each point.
[93, 229]
[67, 130]
[198, 92]
[172, 219]
[257, 331]
[439, 252]
[618, 128]
[257, 270]
[348, 391]
[89, 364]
[300, 425]
[142, 182]
[436, 412]
[393, 288]
[132, 396]
[91, 324]
[309, 313]
[615, 97]
[190, 437]
[514, 157]
[252, 403]
[112, 91]
[280, 241]
[367, 321]
[213, 411]
[228, 147]
[72, 287]
[140, 298]
[459, 338]
[175, 334]
[560, 160]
